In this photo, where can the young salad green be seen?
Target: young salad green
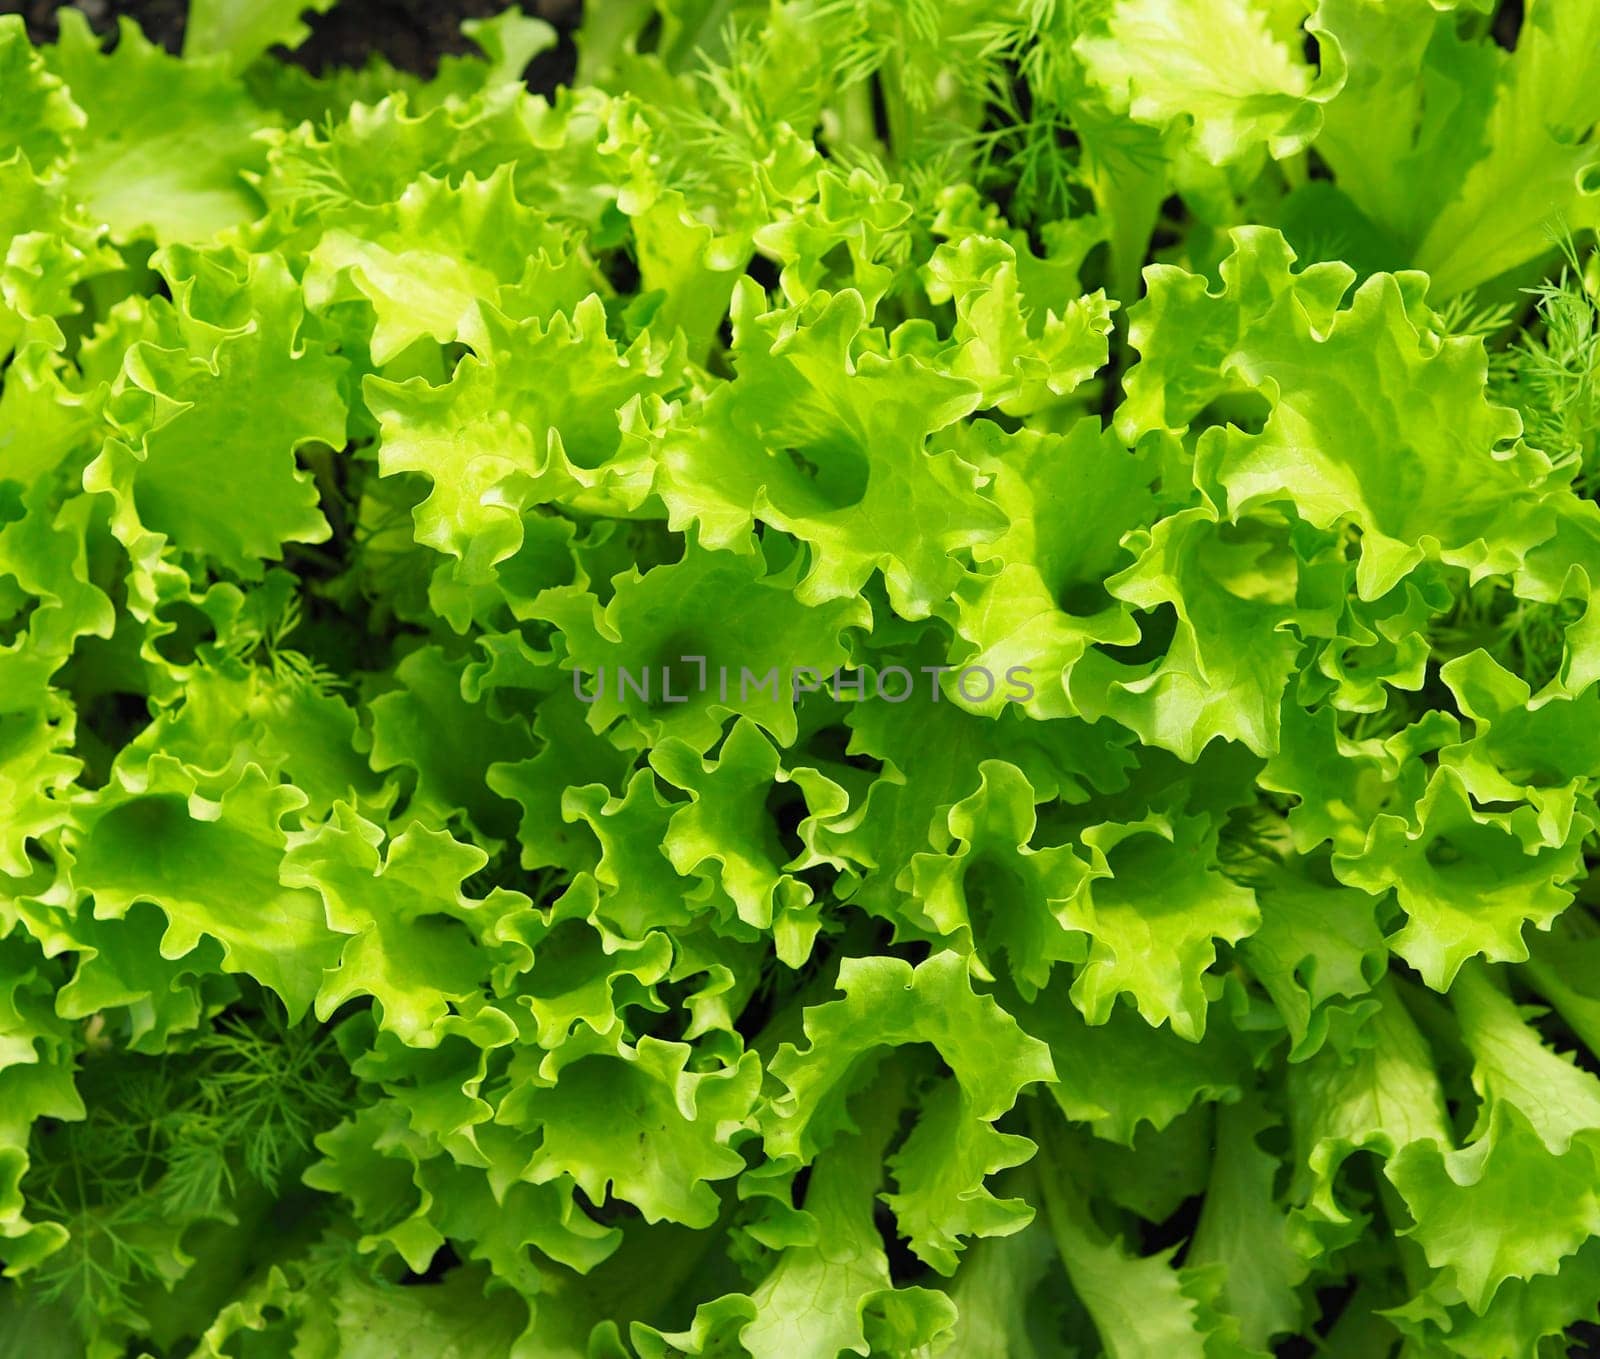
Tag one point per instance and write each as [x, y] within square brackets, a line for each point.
[889, 677]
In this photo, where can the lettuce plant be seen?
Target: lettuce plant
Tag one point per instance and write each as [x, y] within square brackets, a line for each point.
[889, 678]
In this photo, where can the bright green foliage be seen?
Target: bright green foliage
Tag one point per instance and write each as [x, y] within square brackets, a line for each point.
[895, 677]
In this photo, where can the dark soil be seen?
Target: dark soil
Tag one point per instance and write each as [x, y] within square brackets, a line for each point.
[412, 34]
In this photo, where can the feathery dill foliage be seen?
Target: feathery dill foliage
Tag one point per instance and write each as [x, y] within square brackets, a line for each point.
[376, 981]
[1550, 372]
[1529, 639]
[172, 1140]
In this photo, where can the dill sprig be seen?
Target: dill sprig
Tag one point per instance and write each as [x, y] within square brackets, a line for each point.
[263, 1090]
[1551, 374]
[1527, 638]
[267, 646]
[168, 1141]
